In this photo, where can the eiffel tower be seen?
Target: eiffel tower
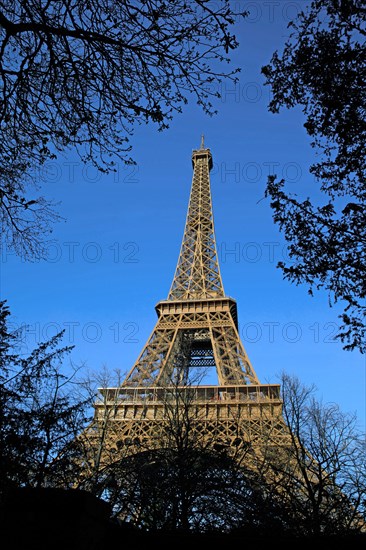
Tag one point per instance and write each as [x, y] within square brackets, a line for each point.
[196, 329]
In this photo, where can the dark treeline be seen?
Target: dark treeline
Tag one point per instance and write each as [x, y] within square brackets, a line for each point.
[51, 474]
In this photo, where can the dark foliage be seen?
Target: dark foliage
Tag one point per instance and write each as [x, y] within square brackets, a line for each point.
[39, 412]
[322, 69]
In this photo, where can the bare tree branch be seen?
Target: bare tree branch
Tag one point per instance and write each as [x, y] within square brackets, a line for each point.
[83, 74]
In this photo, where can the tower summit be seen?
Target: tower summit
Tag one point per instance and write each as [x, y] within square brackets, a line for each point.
[198, 273]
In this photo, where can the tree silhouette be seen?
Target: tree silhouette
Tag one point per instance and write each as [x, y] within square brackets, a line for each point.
[83, 74]
[322, 69]
[40, 413]
[321, 473]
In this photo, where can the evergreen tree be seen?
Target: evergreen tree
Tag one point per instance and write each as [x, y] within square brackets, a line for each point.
[40, 411]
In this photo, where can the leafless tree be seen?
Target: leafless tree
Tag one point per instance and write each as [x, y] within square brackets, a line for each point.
[321, 473]
[82, 74]
[171, 477]
[177, 472]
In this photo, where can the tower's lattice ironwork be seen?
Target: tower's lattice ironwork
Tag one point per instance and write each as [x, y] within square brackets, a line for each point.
[196, 329]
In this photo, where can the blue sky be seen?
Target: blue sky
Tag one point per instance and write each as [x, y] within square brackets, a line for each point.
[114, 255]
